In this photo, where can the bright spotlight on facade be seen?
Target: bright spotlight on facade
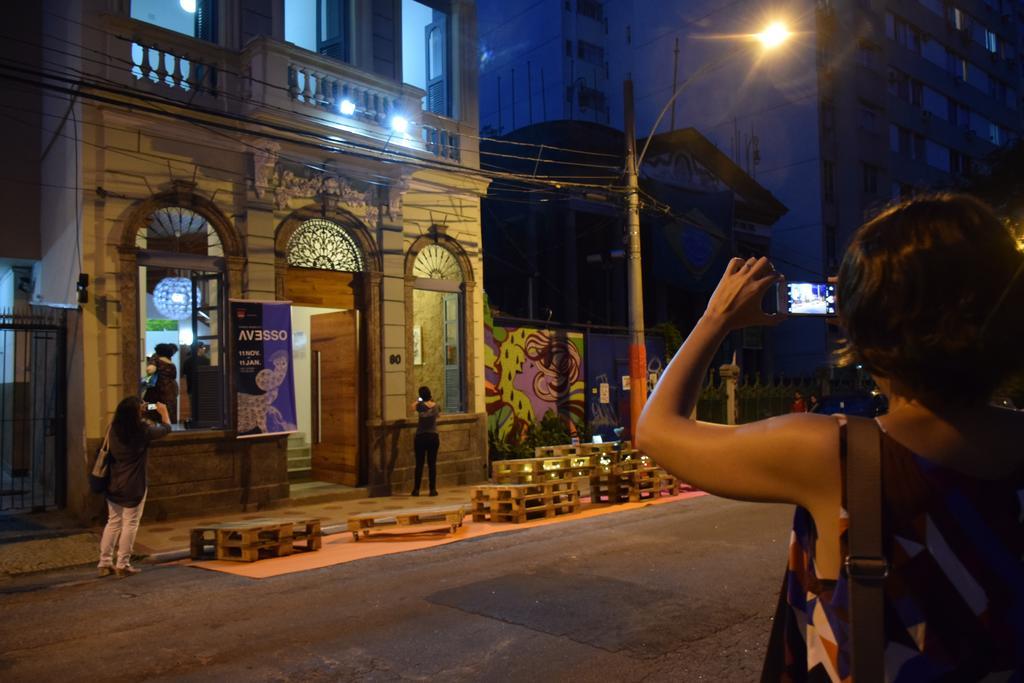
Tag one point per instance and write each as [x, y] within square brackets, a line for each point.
[399, 124]
[774, 34]
[347, 107]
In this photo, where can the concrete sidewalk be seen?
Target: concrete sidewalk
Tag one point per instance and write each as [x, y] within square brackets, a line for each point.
[39, 542]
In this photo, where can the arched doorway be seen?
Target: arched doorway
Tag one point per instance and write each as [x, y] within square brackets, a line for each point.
[322, 263]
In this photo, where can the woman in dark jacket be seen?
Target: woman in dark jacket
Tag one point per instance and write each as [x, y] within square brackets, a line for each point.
[166, 389]
[130, 434]
[427, 441]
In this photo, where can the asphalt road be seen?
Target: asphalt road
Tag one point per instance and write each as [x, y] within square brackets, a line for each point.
[680, 592]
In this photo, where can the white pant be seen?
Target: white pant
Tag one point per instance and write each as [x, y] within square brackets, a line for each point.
[122, 526]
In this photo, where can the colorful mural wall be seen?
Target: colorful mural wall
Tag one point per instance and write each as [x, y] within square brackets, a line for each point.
[529, 371]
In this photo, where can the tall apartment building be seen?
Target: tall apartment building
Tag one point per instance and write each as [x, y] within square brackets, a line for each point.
[868, 101]
[180, 154]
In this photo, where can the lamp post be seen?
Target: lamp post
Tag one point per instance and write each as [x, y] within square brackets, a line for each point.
[774, 35]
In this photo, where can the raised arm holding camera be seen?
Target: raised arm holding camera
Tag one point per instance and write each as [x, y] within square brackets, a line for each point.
[929, 294]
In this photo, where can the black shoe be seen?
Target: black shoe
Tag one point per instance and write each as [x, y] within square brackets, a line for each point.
[415, 492]
[433, 493]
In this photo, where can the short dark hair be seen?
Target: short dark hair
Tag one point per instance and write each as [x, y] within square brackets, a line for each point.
[424, 393]
[929, 292]
[166, 350]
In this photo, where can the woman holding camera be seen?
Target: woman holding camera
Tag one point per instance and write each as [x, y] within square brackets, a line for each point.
[130, 434]
[930, 294]
[427, 442]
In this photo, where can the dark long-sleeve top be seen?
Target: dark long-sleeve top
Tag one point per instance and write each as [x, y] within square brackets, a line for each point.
[128, 481]
[427, 423]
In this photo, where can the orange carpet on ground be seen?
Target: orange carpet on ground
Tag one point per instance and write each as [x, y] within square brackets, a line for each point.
[341, 548]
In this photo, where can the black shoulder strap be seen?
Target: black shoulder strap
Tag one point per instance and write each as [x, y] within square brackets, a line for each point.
[866, 566]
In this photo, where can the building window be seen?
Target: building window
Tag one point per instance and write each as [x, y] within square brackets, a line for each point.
[324, 245]
[956, 66]
[590, 98]
[197, 18]
[906, 88]
[869, 119]
[870, 179]
[958, 163]
[937, 156]
[590, 53]
[319, 26]
[828, 171]
[181, 302]
[426, 53]
[903, 33]
[866, 54]
[568, 48]
[991, 42]
[959, 115]
[590, 8]
[437, 329]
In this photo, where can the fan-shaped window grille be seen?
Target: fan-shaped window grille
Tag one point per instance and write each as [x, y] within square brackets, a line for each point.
[437, 263]
[179, 230]
[319, 243]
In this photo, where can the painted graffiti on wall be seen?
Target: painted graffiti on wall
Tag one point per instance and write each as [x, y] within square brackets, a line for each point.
[529, 371]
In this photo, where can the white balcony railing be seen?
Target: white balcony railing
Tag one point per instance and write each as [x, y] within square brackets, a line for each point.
[271, 80]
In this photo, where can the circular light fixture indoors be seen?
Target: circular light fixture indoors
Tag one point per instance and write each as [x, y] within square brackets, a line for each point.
[171, 297]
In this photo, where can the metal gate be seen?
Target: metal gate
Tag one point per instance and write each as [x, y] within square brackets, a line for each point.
[33, 383]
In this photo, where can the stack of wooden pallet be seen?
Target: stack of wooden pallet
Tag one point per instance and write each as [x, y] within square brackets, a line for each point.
[255, 539]
[629, 479]
[518, 503]
[541, 469]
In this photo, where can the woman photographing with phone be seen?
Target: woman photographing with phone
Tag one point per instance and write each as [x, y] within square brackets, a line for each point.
[929, 294]
[130, 434]
[426, 442]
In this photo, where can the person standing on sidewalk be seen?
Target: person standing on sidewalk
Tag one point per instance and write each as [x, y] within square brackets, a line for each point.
[427, 441]
[130, 435]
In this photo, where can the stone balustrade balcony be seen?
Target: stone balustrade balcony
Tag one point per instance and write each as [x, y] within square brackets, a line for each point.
[279, 83]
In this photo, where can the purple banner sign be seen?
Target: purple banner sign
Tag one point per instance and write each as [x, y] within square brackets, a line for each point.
[263, 367]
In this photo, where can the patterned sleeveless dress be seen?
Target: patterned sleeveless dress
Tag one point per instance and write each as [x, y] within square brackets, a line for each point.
[954, 597]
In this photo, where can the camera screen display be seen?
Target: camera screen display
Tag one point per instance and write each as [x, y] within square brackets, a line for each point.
[811, 298]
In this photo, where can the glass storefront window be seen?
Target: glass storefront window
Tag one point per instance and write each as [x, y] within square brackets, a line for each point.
[181, 304]
[438, 346]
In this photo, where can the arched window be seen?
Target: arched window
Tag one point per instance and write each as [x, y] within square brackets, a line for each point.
[437, 332]
[325, 245]
[181, 303]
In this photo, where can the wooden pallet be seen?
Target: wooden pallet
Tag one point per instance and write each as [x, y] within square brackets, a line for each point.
[520, 502]
[256, 539]
[542, 469]
[447, 515]
[632, 486]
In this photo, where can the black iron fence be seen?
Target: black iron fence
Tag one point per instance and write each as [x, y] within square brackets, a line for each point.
[755, 399]
[33, 424]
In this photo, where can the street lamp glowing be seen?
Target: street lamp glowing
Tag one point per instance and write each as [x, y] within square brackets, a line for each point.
[773, 35]
[188, 5]
[347, 107]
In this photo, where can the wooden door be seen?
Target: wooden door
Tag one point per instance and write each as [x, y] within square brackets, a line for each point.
[335, 397]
